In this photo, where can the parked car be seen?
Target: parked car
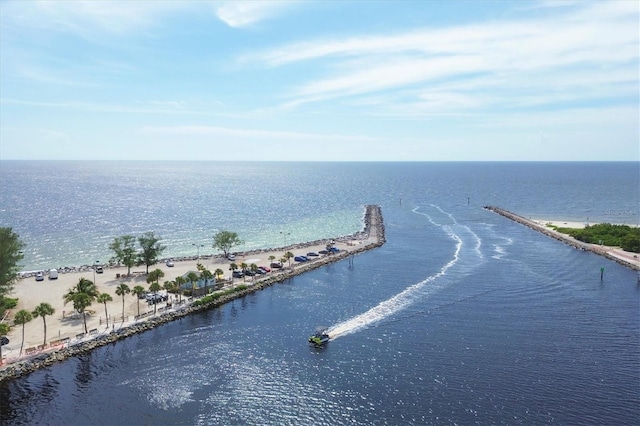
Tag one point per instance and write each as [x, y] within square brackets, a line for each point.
[301, 258]
[323, 252]
[169, 263]
[231, 257]
[4, 341]
[312, 254]
[237, 274]
[39, 276]
[53, 274]
[265, 268]
[99, 270]
[156, 298]
[334, 249]
[276, 265]
[248, 272]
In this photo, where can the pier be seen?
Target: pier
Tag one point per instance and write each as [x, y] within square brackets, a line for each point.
[624, 258]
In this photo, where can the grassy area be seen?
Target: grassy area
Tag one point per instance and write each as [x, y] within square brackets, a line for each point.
[623, 236]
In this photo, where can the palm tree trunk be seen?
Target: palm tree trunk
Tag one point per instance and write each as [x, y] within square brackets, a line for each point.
[123, 308]
[138, 307]
[84, 318]
[22, 344]
[45, 330]
[105, 313]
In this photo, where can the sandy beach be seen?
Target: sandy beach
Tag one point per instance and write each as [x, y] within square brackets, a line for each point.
[65, 326]
[626, 258]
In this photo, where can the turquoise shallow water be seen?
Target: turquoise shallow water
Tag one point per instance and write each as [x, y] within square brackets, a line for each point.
[462, 317]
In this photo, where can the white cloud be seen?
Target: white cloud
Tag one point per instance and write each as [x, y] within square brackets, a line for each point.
[239, 14]
[568, 49]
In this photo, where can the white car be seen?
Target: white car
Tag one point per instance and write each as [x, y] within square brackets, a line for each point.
[169, 263]
[231, 257]
[39, 276]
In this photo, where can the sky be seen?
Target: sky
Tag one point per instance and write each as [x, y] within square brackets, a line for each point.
[320, 80]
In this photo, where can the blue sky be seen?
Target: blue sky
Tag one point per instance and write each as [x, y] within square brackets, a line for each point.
[320, 81]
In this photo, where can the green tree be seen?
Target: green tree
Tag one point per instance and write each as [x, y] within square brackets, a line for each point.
[42, 310]
[138, 291]
[83, 286]
[219, 273]
[225, 240]
[125, 251]
[288, 256]
[151, 249]
[4, 330]
[155, 276]
[192, 278]
[123, 290]
[154, 288]
[271, 259]
[244, 267]
[254, 269]
[22, 317]
[81, 301]
[233, 267]
[206, 275]
[10, 254]
[104, 298]
[82, 295]
[179, 282]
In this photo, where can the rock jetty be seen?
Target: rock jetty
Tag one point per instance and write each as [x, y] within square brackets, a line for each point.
[373, 231]
[567, 239]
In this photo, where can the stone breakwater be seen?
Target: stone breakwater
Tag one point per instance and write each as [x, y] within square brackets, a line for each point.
[560, 237]
[363, 234]
[373, 227]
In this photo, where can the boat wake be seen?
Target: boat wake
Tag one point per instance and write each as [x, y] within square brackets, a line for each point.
[416, 291]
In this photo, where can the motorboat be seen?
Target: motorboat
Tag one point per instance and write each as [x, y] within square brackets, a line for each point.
[320, 338]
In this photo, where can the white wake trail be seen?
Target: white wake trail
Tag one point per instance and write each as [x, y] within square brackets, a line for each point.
[402, 299]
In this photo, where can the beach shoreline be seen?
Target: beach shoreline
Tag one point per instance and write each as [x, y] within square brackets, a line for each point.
[625, 258]
[66, 337]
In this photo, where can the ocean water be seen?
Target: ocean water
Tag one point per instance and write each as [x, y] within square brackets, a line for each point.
[462, 317]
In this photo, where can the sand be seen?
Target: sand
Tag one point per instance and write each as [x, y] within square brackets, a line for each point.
[64, 324]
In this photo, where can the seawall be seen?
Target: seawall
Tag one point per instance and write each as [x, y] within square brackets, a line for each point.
[373, 233]
[567, 239]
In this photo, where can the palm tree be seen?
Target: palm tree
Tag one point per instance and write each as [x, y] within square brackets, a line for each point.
[288, 256]
[179, 281]
[22, 317]
[192, 277]
[244, 267]
[82, 295]
[104, 298]
[4, 330]
[81, 301]
[122, 290]
[42, 310]
[253, 268]
[206, 275]
[232, 268]
[218, 273]
[271, 259]
[138, 291]
[155, 275]
[83, 286]
[154, 288]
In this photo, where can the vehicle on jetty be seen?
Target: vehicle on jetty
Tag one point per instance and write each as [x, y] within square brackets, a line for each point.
[320, 338]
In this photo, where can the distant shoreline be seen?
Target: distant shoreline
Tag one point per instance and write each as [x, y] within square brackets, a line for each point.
[630, 260]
